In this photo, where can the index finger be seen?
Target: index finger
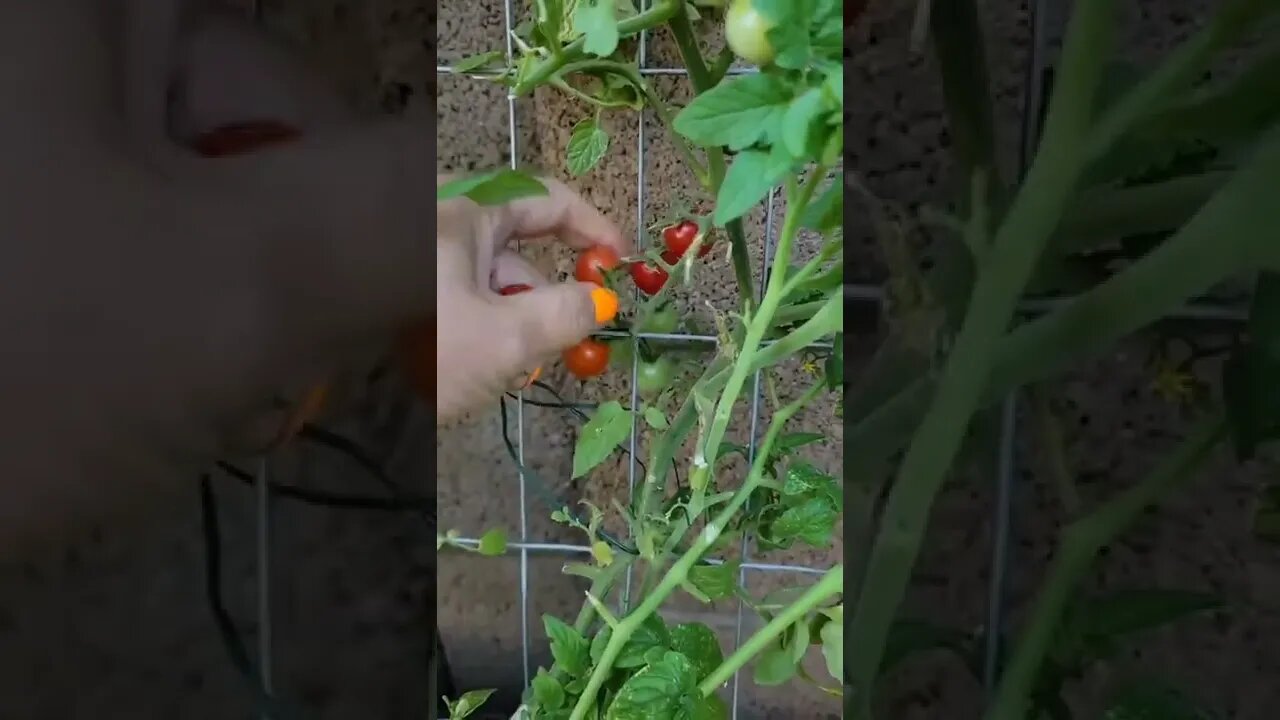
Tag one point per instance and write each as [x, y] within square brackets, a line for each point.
[562, 213]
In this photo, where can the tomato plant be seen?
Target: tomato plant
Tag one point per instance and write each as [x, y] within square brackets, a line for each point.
[594, 262]
[740, 136]
[587, 359]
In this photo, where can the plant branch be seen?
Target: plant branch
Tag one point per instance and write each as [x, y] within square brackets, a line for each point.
[679, 572]
[656, 103]
[831, 583]
[828, 320]
[1014, 252]
[1081, 542]
[702, 81]
[662, 11]
[1232, 233]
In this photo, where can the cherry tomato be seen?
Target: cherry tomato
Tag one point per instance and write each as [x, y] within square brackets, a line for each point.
[239, 138]
[680, 237]
[588, 358]
[515, 289]
[654, 377]
[649, 277]
[662, 321]
[594, 262]
[746, 32]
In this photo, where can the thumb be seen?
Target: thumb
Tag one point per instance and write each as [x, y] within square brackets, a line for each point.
[548, 319]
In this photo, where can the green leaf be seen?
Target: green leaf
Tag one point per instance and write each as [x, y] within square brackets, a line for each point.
[710, 707]
[826, 212]
[832, 635]
[798, 123]
[570, 650]
[1130, 611]
[1155, 701]
[587, 145]
[467, 704]
[609, 426]
[812, 522]
[652, 633]
[547, 691]
[496, 187]
[908, 637]
[597, 21]
[790, 442]
[715, 581]
[789, 34]
[750, 176]
[774, 666]
[1266, 519]
[475, 62]
[1249, 376]
[656, 419]
[550, 16]
[697, 642]
[806, 481]
[661, 691]
[833, 368]
[493, 542]
[737, 113]
[727, 448]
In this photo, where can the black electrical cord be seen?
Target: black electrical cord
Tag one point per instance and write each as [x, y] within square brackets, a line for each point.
[314, 497]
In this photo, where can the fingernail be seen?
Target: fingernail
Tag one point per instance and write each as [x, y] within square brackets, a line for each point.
[606, 302]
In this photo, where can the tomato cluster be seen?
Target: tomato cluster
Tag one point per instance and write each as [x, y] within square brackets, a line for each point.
[591, 357]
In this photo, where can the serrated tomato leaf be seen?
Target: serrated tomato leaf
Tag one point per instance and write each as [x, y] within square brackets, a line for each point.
[607, 428]
[697, 642]
[570, 649]
[663, 690]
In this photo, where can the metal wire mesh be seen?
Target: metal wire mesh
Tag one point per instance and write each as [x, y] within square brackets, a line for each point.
[525, 546]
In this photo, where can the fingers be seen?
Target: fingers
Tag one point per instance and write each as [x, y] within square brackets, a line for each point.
[546, 320]
[511, 269]
[561, 213]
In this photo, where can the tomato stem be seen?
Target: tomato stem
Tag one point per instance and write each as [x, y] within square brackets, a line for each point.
[831, 584]
[1081, 541]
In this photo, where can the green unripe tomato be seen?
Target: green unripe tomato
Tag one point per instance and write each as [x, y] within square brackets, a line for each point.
[662, 321]
[746, 31]
[654, 377]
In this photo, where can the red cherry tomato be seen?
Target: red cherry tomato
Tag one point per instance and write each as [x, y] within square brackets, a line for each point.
[680, 237]
[239, 138]
[649, 277]
[515, 289]
[587, 359]
[594, 262]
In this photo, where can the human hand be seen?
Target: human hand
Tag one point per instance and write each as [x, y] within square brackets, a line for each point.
[487, 341]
